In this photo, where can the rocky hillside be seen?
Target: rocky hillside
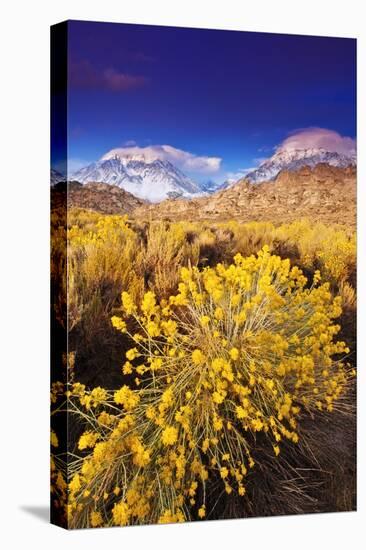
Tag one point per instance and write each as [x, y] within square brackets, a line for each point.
[101, 197]
[322, 193]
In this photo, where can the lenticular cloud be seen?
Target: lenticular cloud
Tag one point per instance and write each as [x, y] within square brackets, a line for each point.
[319, 138]
[182, 159]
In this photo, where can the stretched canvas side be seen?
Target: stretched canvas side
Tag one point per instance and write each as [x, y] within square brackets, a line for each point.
[59, 295]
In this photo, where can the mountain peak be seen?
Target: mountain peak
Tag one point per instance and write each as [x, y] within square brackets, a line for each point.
[143, 174]
[293, 158]
[147, 155]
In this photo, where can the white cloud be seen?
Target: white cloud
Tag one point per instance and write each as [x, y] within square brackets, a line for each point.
[319, 138]
[183, 159]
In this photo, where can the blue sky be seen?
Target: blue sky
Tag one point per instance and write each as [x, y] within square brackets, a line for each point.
[234, 96]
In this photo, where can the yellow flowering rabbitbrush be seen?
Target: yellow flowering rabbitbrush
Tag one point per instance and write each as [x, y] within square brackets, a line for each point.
[240, 352]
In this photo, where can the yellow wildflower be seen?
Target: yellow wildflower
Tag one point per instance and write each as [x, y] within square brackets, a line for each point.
[234, 353]
[224, 472]
[204, 320]
[276, 450]
[54, 439]
[88, 439]
[127, 303]
[170, 435]
[96, 519]
[120, 514]
[118, 324]
[98, 396]
[75, 484]
[202, 511]
[126, 397]
[132, 353]
[197, 357]
[127, 368]
[148, 305]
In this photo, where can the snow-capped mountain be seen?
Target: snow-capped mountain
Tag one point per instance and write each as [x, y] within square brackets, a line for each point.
[56, 176]
[293, 159]
[144, 176]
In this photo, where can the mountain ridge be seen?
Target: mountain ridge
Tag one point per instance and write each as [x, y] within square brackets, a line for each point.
[147, 179]
[295, 158]
[323, 193]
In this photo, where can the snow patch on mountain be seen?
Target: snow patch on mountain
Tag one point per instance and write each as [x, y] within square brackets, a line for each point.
[292, 159]
[142, 174]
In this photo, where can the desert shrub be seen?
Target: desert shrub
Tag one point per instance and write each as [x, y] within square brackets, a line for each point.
[164, 251]
[251, 237]
[83, 219]
[100, 262]
[348, 295]
[107, 254]
[209, 250]
[220, 242]
[58, 269]
[228, 366]
[329, 248]
[99, 268]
